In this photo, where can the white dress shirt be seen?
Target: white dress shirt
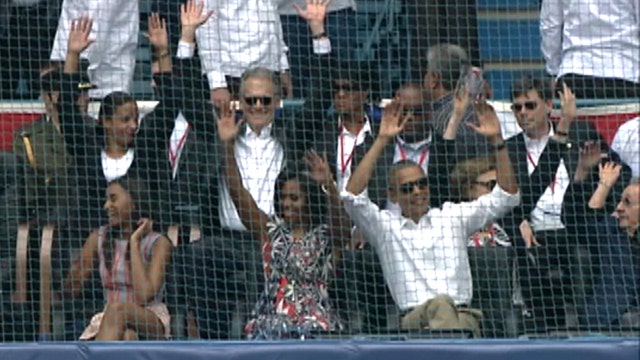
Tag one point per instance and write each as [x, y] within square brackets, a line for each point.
[626, 143]
[347, 143]
[547, 213]
[423, 260]
[114, 168]
[260, 159]
[112, 56]
[592, 38]
[241, 34]
[286, 6]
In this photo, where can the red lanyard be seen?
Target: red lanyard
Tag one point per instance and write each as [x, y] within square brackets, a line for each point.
[344, 164]
[403, 153]
[173, 156]
[553, 184]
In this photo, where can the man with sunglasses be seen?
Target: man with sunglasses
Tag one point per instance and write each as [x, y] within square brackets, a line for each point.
[544, 154]
[423, 250]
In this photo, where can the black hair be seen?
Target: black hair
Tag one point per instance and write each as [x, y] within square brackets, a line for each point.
[530, 83]
[141, 198]
[363, 74]
[110, 104]
[315, 197]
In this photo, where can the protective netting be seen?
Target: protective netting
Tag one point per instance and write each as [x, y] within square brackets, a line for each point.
[254, 169]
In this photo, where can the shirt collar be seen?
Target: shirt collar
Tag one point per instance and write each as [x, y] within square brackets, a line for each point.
[265, 133]
[415, 146]
[366, 126]
[529, 141]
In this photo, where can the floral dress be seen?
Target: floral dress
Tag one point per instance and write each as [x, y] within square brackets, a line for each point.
[295, 300]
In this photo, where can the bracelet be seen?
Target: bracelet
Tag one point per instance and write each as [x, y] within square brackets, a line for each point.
[326, 191]
[500, 146]
[319, 36]
[562, 133]
[604, 183]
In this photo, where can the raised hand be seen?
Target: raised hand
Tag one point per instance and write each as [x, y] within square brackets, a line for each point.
[609, 173]
[590, 155]
[488, 123]
[393, 120]
[157, 33]
[315, 11]
[461, 100]
[191, 14]
[79, 35]
[228, 128]
[568, 107]
[319, 169]
[145, 225]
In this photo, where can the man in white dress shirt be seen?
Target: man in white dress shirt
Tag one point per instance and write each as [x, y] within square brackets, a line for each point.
[626, 143]
[423, 251]
[112, 56]
[241, 34]
[593, 46]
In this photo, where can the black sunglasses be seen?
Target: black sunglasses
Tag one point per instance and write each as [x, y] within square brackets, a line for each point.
[253, 100]
[529, 105]
[488, 184]
[408, 187]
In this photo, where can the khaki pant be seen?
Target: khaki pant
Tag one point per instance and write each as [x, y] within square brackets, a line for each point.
[442, 313]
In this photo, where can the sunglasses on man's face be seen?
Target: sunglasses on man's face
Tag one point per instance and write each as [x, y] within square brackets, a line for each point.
[488, 184]
[253, 100]
[407, 188]
[529, 105]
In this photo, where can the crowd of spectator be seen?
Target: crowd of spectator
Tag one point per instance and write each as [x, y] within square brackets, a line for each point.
[297, 222]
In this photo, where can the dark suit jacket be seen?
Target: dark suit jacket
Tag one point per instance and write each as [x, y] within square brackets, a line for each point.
[189, 195]
[532, 186]
[203, 155]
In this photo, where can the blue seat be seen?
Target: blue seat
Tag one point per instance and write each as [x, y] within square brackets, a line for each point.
[509, 40]
[507, 4]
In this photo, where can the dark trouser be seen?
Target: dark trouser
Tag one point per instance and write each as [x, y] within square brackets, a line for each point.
[589, 87]
[216, 276]
[360, 288]
[553, 275]
[341, 27]
[492, 274]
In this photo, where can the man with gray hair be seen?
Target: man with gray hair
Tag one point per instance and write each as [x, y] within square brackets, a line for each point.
[228, 264]
[447, 64]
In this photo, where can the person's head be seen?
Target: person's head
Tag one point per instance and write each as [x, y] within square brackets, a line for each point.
[473, 178]
[127, 200]
[417, 127]
[118, 116]
[445, 63]
[628, 209]
[353, 87]
[532, 104]
[409, 188]
[299, 200]
[49, 92]
[259, 97]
